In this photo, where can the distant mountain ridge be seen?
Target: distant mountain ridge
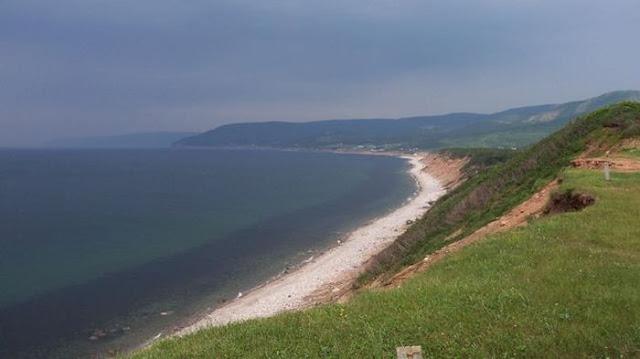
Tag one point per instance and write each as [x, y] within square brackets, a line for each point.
[510, 128]
[133, 140]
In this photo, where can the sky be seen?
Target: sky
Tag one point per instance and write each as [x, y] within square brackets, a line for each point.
[71, 68]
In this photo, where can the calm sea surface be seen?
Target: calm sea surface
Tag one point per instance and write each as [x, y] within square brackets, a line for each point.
[103, 249]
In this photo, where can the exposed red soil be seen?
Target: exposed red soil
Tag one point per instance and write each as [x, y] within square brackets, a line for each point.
[568, 201]
[518, 216]
[615, 163]
[447, 170]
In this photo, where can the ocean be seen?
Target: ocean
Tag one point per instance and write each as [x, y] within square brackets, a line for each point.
[101, 250]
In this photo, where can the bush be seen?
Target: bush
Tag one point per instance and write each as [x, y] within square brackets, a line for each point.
[491, 193]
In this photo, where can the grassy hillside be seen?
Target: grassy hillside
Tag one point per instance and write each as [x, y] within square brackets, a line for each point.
[512, 128]
[480, 159]
[567, 285]
[493, 192]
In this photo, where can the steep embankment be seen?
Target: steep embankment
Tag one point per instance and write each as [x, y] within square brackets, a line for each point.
[566, 285]
[518, 216]
[491, 193]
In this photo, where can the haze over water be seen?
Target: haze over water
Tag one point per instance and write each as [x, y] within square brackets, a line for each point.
[119, 245]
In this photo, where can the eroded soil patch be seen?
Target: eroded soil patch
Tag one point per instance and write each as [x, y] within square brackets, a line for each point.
[568, 201]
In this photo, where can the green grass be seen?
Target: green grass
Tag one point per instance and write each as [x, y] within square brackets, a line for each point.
[480, 159]
[495, 190]
[632, 152]
[564, 286]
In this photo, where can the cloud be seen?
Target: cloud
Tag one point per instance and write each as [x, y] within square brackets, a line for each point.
[90, 67]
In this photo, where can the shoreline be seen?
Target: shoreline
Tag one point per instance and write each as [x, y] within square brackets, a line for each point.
[320, 279]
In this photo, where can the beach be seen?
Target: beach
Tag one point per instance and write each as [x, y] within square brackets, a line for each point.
[333, 271]
[160, 246]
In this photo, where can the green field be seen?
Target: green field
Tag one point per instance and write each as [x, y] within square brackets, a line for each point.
[565, 286]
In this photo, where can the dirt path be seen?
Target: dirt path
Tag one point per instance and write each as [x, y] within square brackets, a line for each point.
[516, 217]
[620, 164]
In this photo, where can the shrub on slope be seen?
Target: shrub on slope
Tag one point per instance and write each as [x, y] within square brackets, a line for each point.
[492, 193]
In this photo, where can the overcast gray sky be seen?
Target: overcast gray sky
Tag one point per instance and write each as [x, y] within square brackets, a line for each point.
[92, 67]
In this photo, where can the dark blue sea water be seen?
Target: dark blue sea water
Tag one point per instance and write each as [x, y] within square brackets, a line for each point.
[102, 249]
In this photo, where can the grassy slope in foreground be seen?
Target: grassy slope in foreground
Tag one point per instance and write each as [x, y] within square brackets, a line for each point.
[567, 285]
